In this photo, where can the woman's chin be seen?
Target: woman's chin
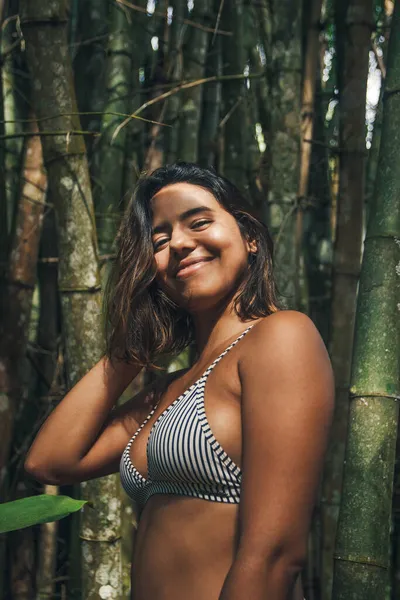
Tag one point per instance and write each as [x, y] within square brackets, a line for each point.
[200, 301]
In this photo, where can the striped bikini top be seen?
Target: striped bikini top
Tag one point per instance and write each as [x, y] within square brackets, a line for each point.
[183, 456]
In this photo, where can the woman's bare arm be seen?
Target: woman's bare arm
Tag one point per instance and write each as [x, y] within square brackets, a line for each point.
[287, 407]
[83, 437]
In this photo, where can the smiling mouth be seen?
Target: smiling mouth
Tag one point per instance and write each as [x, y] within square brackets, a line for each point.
[191, 269]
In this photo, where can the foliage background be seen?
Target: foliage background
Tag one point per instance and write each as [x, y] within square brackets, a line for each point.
[285, 99]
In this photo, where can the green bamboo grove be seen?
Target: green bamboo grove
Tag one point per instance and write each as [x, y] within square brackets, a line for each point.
[281, 99]
[362, 555]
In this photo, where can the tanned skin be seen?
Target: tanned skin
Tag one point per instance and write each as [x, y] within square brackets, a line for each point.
[269, 403]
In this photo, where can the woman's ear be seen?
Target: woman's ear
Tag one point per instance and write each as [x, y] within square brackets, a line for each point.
[252, 247]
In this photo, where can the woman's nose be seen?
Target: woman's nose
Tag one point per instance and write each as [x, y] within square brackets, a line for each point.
[181, 240]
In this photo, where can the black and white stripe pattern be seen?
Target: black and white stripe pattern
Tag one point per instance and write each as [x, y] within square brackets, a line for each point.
[184, 458]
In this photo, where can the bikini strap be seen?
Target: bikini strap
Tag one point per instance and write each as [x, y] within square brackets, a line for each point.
[216, 361]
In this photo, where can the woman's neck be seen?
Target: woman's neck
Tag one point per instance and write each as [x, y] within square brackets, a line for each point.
[213, 329]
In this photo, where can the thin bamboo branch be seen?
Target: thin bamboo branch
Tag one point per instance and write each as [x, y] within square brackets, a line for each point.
[230, 112]
[220, 9]
[9, 20]
[180, 87]
[25, 134]
[9, 50]
[161, 14]
[80, 114]
[379, 59]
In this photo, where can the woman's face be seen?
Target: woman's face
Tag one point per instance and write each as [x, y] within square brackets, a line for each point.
[199, 251]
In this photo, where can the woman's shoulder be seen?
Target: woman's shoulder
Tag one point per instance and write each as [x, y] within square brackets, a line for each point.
[282, 323]
[286, 358]
[280, 335]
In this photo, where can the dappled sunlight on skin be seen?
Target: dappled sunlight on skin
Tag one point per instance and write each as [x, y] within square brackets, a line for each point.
[211, 232]
[201, 258]
[185, 538]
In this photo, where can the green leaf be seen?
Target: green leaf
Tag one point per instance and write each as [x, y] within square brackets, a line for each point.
[36, 509]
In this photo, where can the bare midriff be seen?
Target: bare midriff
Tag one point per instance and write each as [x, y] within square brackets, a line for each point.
[184, 548]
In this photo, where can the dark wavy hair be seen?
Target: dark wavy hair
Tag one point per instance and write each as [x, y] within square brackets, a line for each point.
[141, 321]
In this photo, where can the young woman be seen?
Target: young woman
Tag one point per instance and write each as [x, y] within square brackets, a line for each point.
[222, 460]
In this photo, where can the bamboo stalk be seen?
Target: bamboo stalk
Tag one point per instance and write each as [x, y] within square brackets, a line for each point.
[307, 123]
[175, 66]
[282, 41]
[49, 370]
[13, 146]
[155, 67]
[373, 153]
[212, 97]
[134, 147]
[45, 26]
[47, 554]
[395, 554]
[89, 63]
[233, 96]
[109, 159]
[17, 292]
[362, 558]
[254, 154]
[194, 61]
[3, 200]
[318, 231]
[354, 22]
[17, 308]
[4, 230]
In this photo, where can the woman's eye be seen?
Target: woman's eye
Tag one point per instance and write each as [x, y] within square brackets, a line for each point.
[196, 225]
[157, 244]
[200, 223]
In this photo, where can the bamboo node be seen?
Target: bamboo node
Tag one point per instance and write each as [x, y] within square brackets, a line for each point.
[60, 155]
[107, 257]
[110, 540]
[43, 21]
[394, 397]
[80, 290]
[388, 92]
[116, 216]
[48, 259]
[55, 259]
[362, 560]
[18, 283]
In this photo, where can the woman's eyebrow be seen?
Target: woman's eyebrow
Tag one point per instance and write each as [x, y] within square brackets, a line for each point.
[185, 215]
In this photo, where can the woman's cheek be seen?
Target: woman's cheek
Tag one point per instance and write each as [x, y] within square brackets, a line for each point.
[219, 235]
[226, 240]
[161, 263]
